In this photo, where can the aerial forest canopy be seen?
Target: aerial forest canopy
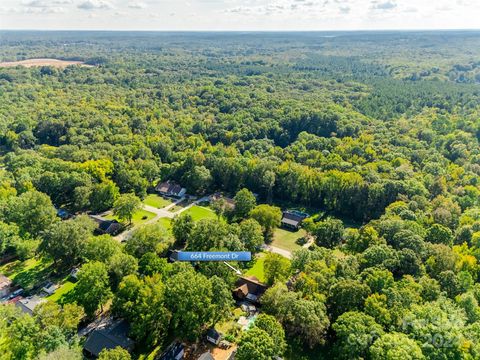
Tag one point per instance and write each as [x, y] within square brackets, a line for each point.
[378, 132]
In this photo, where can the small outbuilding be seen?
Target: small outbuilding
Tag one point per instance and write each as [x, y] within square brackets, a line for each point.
[49, 288]
[213, 336]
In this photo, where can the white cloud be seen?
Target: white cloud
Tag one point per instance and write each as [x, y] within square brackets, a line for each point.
[137, 5]
[95, 5]
[383, 5]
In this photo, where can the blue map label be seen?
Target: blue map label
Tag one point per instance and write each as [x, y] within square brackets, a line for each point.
[214, 256]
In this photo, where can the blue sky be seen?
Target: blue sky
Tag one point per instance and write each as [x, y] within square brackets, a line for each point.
[239, 14]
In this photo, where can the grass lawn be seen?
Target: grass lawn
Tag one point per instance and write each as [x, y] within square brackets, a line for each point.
[166, 223]
[156, 201]
[62, 291]
[139, 217]
[286, 239]
[199, 212]
[27, 273]
[257, 269]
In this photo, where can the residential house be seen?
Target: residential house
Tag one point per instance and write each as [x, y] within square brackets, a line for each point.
[175, 351]
[249, 289]
[27, 305]
[106, 226]
[293, 219]
[213, 336]
[170, 188]
[5, 286]
[110, 336]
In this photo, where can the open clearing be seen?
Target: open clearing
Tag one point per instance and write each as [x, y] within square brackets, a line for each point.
[42, 62]
[286, 239]
[157, 201]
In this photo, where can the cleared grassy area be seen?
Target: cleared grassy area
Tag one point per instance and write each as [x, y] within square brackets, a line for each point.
[286, 239]
[257, 269]
[156, 201]
[27, 273]
[199, 212]
[140, 217]
[62, 292]
[166, 223]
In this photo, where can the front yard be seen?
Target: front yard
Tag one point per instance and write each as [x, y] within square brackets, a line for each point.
[27, 274]
[139, 217]
[200, 212]
[156, 201]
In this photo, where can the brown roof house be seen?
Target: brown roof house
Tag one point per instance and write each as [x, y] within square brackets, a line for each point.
[170, 188]
[5, 286]
[249, 289]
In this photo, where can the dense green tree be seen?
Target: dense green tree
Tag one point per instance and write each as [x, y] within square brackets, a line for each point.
[33, 212]
[93, 288]
[276, 268]
[327, 233]
[182, 227]
[149, 238]
[117, 353]
[395, 346]
[67, 240]
[256, 344]
[268, 217]
[355, 332]
[245, 201]
[125, 206]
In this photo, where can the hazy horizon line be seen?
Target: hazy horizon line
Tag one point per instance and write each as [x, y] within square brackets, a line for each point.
[248, 31]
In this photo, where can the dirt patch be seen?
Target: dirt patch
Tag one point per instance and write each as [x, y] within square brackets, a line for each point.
[42, 62]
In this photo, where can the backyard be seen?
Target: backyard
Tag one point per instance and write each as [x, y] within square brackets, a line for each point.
[200, 212]
[27, 274]
[287, 240]
[257, 269]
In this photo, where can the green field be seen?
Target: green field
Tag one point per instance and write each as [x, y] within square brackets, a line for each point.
[140, 217]
[156, 201]
[199, 212]
[286, 239]
[62, 291]
[27, 273]
[166, 223]
[257, 269]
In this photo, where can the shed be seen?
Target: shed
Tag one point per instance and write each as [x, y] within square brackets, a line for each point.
[213, 336]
